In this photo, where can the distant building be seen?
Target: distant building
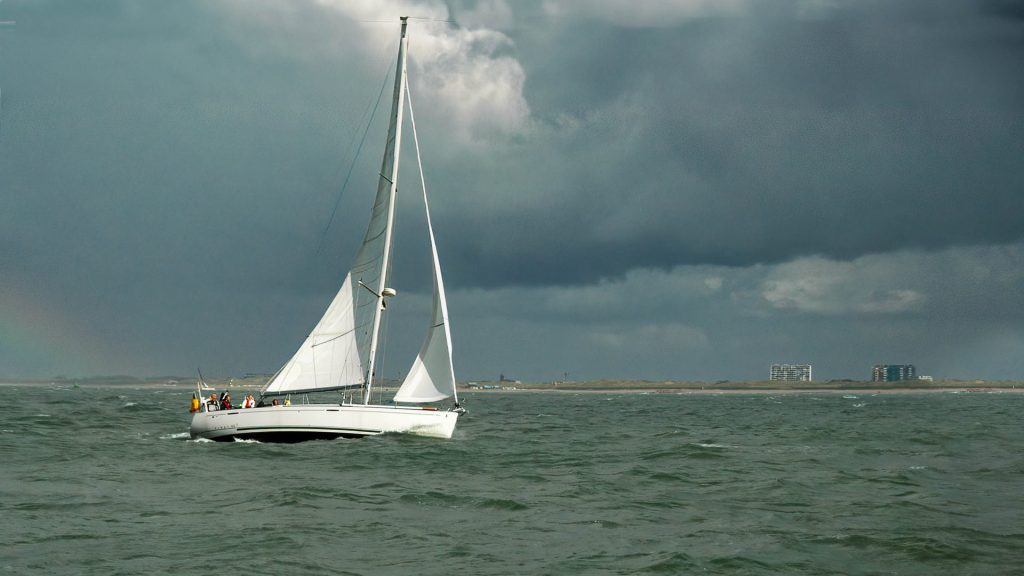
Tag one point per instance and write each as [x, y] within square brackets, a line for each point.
[790, 372]
[893, 372]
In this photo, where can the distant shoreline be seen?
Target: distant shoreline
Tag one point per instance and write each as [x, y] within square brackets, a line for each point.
[594, 387]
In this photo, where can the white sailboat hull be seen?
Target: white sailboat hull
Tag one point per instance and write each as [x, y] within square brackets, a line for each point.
[320, 421]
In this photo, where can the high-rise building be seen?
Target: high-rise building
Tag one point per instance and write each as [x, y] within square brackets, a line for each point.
[790, 372]
[893, 372]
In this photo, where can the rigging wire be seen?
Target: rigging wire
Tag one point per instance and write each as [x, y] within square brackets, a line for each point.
[351, 168]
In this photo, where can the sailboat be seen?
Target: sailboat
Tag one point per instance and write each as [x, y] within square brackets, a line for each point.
[340, 354]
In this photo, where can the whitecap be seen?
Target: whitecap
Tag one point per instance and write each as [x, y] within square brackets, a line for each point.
[850, 397]
[127, 404]
[247, 441]
[859, 405]
[174, 436]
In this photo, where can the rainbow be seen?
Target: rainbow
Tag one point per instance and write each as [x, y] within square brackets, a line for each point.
[40, 339]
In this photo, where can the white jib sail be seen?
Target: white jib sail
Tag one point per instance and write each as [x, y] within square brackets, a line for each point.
[432, 376]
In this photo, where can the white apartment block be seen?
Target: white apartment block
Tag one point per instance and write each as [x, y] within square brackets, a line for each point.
[791, 372]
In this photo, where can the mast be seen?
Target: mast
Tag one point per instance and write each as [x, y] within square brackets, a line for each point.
[397, 108]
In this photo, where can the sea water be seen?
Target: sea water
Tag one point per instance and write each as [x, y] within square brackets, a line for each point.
[104, 480]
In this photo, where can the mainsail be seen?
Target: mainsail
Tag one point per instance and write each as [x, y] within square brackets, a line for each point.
[339, 352]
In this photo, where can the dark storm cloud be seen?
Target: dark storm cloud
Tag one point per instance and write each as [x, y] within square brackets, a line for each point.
[733, 141]
[868, 128]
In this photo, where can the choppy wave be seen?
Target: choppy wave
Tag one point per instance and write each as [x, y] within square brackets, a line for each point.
[502, 504]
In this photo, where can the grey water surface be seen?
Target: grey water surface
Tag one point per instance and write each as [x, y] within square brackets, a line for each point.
[104, 480]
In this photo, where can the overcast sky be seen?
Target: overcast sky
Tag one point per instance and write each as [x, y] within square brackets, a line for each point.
[645, 189]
